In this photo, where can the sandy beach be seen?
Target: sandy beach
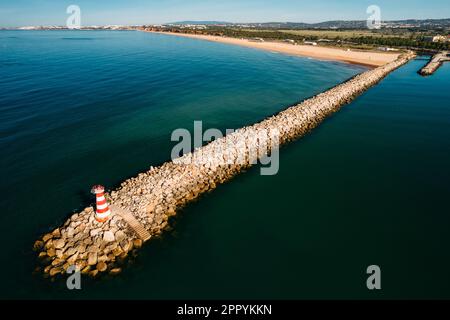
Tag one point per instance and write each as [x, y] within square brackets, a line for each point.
[367, 58]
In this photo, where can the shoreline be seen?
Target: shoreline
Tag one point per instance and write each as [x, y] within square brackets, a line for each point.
[370, 59]
[152, 197]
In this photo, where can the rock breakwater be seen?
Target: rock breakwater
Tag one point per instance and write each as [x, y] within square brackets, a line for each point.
[154, 196]
[435, 63]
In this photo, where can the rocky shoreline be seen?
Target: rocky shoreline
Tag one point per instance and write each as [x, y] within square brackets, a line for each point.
[154, 196]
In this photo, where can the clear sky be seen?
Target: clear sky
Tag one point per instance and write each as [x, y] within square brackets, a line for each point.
[101, 12]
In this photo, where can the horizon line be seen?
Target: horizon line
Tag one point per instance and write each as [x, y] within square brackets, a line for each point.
[220, 22]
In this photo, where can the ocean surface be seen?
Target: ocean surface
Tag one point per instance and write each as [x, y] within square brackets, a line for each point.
[369, 186]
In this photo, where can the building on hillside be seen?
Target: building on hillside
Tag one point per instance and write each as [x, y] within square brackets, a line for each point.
[439, 38]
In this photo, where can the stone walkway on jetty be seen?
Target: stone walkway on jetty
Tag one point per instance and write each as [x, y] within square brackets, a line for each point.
[149, 199]
[132, 222]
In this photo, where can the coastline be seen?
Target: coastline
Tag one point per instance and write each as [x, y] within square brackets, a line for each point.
[366, 58]
[152, 197]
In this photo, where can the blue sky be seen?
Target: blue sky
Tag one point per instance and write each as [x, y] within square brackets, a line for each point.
[101, 12]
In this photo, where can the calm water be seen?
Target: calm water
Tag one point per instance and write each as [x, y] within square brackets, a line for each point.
[370, 186]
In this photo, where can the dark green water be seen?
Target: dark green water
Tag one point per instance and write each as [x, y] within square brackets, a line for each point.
[369, 186]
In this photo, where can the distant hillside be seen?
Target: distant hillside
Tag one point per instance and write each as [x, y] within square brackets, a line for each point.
[355, 24]
[201, 23]
[338, 24]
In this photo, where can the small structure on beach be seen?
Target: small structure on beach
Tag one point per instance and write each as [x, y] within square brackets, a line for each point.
[387, 49]
[256, 39]
[325, 40]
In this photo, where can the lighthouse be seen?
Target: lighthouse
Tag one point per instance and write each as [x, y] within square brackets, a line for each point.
[102, 212]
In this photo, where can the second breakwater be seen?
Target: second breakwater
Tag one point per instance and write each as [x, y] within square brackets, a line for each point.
[155, 195]
[435, 62]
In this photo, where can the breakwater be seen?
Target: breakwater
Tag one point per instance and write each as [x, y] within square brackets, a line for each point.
[436, 61]
[152, 197]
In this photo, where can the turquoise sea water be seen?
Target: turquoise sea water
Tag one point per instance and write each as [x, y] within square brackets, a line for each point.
[369, 186]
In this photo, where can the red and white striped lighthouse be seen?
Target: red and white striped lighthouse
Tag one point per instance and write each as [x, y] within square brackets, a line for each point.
[103, 212]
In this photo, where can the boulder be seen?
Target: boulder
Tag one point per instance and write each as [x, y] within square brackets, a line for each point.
[108, 236]
[117, 251]
[115, 271]
[101, 266]
[70, 251]
[59, 253]
[70, 232]
[38, 245]
[72, 258]
[56, 233]
[170, 212]
[126, 245]
[57, 262]
[83, 255]
[54, 271]
[59, 243]
[102, 258]
[81, 248]
[86, 270]
[95, 232]
[49, 244]
[92, 258]
[120, 235]
[122, 256]
[93, 248]
[113, 245]
[80, 228]
[51, 252]
[81, 264]
[137, 243]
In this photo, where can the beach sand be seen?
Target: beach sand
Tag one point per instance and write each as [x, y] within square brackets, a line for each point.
[367, 58]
